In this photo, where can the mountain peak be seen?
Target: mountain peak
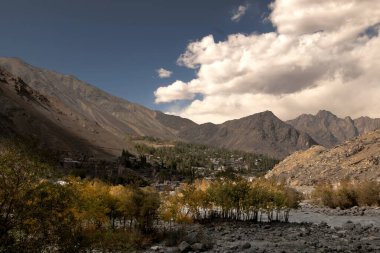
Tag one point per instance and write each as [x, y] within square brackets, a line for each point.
[329, 130]
[262, 133]
[260, 115]
[325, 114]
[267, 114]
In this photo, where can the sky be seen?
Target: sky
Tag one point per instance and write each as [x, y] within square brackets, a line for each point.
[208, 60]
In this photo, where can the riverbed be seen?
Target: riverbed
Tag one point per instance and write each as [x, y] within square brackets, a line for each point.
[310, 230]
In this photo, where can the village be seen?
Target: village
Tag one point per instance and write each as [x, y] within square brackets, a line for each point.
[166, 168]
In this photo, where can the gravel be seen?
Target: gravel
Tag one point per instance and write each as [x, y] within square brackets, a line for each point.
[349, 234]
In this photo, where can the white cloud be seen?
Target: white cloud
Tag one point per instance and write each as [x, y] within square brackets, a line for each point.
[320, 57]
[238, 13]
[175, 91]
[163, 73]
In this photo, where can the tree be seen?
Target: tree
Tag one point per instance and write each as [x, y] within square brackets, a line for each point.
[19, 174]
[36, 209]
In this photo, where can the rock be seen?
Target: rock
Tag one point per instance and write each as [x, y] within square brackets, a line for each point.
[198, 247]
[225, 233]
[192, 238]
[358, 227]
[233, 247]
[171, 250]
[184, 247]
[155, 248]
[348, 225]
[370, 238]
[246, 245]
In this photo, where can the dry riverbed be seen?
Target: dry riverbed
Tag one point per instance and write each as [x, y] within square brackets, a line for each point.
[355, 230]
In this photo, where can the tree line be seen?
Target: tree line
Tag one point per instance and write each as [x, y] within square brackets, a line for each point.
[230, 200]
[40, 211]
[182, 161]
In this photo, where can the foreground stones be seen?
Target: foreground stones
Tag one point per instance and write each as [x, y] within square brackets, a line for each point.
[279, 238]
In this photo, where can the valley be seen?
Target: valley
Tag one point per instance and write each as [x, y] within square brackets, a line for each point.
[190, 126]
[250, 183]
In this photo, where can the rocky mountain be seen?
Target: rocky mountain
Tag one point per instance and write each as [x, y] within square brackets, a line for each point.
[356, 159]
[366, 124]
[112, 113]
[329, 130]
[51, 106]
[262, 133]
[65, 113]
[26, 113]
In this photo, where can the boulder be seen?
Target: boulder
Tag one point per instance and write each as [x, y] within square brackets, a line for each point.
[184, 247]
[198, 247]
[246, 245]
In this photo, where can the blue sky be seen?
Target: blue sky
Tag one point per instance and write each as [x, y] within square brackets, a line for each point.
[117, 45]
[295, 57]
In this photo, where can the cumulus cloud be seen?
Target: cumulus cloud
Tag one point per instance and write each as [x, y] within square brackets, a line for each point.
[321, 56]
[164, 73]
[175, 91]
[239, 12]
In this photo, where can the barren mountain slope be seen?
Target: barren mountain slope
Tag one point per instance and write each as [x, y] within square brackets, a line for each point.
[94, 116]
[25, 112]
[73, 96]
[329, 130]
[108, 122]
[261, 133]
[366, 124]
[356, 159]
[325, 128]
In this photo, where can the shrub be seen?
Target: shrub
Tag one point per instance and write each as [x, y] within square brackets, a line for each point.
[348, 194]
[368, 194]
[324, 195]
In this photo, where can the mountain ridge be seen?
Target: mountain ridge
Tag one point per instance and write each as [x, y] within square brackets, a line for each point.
[329, 130]
[263, 132]
[108, 123]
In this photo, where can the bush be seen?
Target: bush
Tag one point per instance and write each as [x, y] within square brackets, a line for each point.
[347, 195]
[324, 194]
[368, 194]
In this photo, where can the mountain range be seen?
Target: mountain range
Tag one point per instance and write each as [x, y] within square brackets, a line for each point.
[68, 115]
[328, 130]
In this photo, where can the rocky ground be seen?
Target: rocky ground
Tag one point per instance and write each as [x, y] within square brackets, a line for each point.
[357, 159]
[246, 237]
[348, 236]
[354, 211]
